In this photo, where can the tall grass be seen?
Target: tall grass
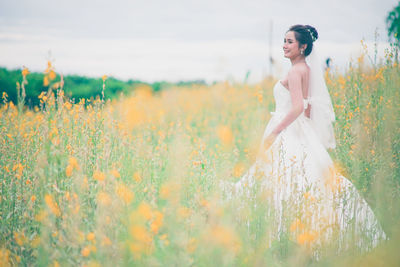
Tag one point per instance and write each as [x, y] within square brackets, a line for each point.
[134, 181]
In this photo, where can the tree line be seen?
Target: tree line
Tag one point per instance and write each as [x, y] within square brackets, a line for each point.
[74, 86]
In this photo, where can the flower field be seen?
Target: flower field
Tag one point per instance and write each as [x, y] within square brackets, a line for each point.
[134, 181]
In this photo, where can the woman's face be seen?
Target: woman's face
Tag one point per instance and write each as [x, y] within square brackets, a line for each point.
[290, 45]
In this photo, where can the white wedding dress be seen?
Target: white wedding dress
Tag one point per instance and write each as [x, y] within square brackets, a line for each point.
[309, 200]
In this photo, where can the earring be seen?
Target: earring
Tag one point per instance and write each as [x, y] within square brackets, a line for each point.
[302, 52]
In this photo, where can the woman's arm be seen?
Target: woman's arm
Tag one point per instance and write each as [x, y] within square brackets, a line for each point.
[296, 94]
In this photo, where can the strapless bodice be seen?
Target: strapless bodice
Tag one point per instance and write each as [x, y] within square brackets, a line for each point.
[283, 102]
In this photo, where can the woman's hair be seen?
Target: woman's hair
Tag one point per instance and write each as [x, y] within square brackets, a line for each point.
[305, 34]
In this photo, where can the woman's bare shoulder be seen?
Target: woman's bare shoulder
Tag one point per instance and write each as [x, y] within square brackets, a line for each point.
[299, 70]
[296, 71]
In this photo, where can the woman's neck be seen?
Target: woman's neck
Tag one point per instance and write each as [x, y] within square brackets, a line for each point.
[298, 60]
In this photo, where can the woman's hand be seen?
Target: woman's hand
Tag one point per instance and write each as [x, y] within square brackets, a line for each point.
[269, 140]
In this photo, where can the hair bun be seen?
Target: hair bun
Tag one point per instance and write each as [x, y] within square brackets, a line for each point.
[313, 32]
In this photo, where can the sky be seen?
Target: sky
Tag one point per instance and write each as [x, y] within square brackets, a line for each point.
[176, 40]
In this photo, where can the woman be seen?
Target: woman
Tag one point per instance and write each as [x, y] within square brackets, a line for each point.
[311, 201]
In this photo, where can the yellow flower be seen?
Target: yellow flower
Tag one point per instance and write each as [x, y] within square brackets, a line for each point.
[307, 238]
[238, 169]
[204, 203]
[46, 81]
[104, 77]
[85, 251]
[52, 205]
[137, 177]
[90, 236]
[18, 168]
[56, 86]
[52, 75]
[68, 170]
[225, 134]
[106, 241]
[124, 193]
[67, 105]
[73, 162]
[350, 115]
[145, 211]
[25, 72]
[296, 224]
[103, 198]
[99, 176]
[20, 238]
[140, 234]
[4, 257]
[115, 173]
[157, 222]
[41, 215]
